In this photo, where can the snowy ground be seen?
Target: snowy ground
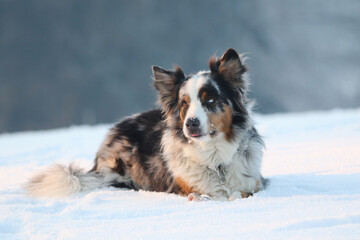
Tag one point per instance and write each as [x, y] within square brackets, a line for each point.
[312, 160]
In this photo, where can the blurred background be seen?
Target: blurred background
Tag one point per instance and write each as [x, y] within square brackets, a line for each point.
[87, 62]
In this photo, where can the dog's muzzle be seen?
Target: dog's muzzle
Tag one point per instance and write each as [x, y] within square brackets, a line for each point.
[193, 127]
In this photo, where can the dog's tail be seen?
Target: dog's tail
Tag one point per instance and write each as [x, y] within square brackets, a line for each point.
[59, 181]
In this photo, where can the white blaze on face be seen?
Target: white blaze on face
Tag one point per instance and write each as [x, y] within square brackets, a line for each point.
[195, 110]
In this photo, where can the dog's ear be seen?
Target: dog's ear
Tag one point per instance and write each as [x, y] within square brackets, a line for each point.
[167, 80]
[168, 84]
[229, 66]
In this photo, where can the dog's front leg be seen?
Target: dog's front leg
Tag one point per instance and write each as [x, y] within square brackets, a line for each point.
[203, 197]
[198, 198]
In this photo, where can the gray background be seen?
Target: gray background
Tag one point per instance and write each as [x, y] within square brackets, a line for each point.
[86, 62]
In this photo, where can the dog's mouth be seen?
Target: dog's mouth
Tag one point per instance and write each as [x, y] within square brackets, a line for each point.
[212, 133]
[196, 135]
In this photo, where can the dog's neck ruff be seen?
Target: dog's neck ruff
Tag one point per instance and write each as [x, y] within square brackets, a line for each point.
[220, 170]
[212, 153]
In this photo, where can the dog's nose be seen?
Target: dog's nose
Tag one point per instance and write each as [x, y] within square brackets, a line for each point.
[193, 123]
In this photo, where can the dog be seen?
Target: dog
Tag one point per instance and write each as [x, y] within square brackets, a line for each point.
[201, 142]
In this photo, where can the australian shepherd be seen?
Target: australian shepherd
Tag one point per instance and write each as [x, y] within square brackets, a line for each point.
[201, 142]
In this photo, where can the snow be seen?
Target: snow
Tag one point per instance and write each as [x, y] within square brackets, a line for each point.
[312, 160]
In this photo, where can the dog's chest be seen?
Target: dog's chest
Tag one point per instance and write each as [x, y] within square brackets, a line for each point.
[212, 169]
[211, 154]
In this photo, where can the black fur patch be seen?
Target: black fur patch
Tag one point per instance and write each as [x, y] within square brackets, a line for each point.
[227, 92]
[124, 185]
[208, 91]
[140, 140]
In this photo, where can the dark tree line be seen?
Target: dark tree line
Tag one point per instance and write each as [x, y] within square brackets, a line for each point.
[74, 62]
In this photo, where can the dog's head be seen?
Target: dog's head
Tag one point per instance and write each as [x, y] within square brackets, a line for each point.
[208, 104]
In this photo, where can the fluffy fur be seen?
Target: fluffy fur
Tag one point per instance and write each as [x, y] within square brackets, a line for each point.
[201, 143]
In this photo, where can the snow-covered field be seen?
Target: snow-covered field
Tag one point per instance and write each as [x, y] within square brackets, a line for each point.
[312, 160]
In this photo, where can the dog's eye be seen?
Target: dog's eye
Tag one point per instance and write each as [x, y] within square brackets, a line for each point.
[211, 100]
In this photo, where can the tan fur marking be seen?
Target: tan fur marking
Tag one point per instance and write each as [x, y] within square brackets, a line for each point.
[185, 189]
[245, 195]
[183, 108]
[222, 122]
[204, 95]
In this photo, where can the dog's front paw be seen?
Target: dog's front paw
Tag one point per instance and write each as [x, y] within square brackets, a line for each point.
[197, 197]
[236, 195]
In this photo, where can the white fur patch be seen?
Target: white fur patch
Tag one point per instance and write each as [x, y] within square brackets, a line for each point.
[195, 110]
